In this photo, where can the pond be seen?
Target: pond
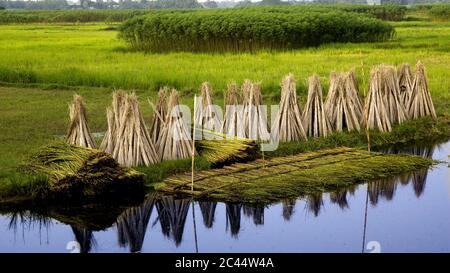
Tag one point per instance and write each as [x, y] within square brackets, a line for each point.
[409, 213]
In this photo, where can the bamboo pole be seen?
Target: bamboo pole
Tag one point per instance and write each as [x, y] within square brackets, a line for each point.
[193, 149]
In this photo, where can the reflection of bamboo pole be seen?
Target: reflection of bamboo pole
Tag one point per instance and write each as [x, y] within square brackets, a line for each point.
[193, 149]
[195, 227]
[365, 218]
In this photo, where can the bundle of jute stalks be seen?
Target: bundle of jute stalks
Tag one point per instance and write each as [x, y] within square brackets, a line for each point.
[159, 113]
[205, 113]
[288, 124]
[341, 105]
[391, 94]
[420, 103]
[405, 83]
[174, 141]
[315, 122]
[233, 125]
[254, 114]
[375, 113]
[113, 118]
[133, 144]
[78, 132]
[352, 91]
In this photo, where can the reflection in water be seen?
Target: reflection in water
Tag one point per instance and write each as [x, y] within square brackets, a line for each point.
[288, 208]
[233, 212]
[172, 216]
[208, 210]
[255, 212]
[85, 238]
[384, 188]
[339, 197]
[28, 220]
[132, 225]
[314, 203]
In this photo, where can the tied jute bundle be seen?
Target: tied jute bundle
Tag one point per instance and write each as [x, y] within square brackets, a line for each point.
[405, 83]
[375, 112]
[341, 105]
[315, 121]
[390, 91]
[232, 123]
[420, 103]
[78, 132]
[204, 114]
[133, 144]
[254, 114]
[174, 141]
[113, 118]
[159, 114]
[288, 124]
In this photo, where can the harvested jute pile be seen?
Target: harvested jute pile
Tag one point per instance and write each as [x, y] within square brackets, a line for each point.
[420, 103]
[232, 123]
[113, 118]
[405, 83]
[315, 122]
[341, 105]
[134, 145]
[222, 149]
[288, 124]
[78, 132]
[204, 114]
[391, 95]
[175, 140]
[81, 172]
[254, 116]
[159, 113]
[375, 113]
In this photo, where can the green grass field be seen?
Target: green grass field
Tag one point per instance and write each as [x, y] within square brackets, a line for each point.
[43, 65]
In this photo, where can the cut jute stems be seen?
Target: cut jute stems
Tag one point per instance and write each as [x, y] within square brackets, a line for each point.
[341, 105]
[78, 132]
[233, 125]
[315, 122]
[420, 103]
[254, 113]
[405, 83]
[205, 113]
[113, 115]
[175, 140]
[159, 112]
[376, 116]
[134, 145]
[288, 124]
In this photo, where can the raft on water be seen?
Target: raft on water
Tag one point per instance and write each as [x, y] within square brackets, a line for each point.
[275, 179]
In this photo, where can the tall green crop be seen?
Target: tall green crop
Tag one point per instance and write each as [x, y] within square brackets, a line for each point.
[249, 29]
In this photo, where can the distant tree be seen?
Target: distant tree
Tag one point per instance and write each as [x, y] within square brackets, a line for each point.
[179, 4]
[272, 3]
[210, 4]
